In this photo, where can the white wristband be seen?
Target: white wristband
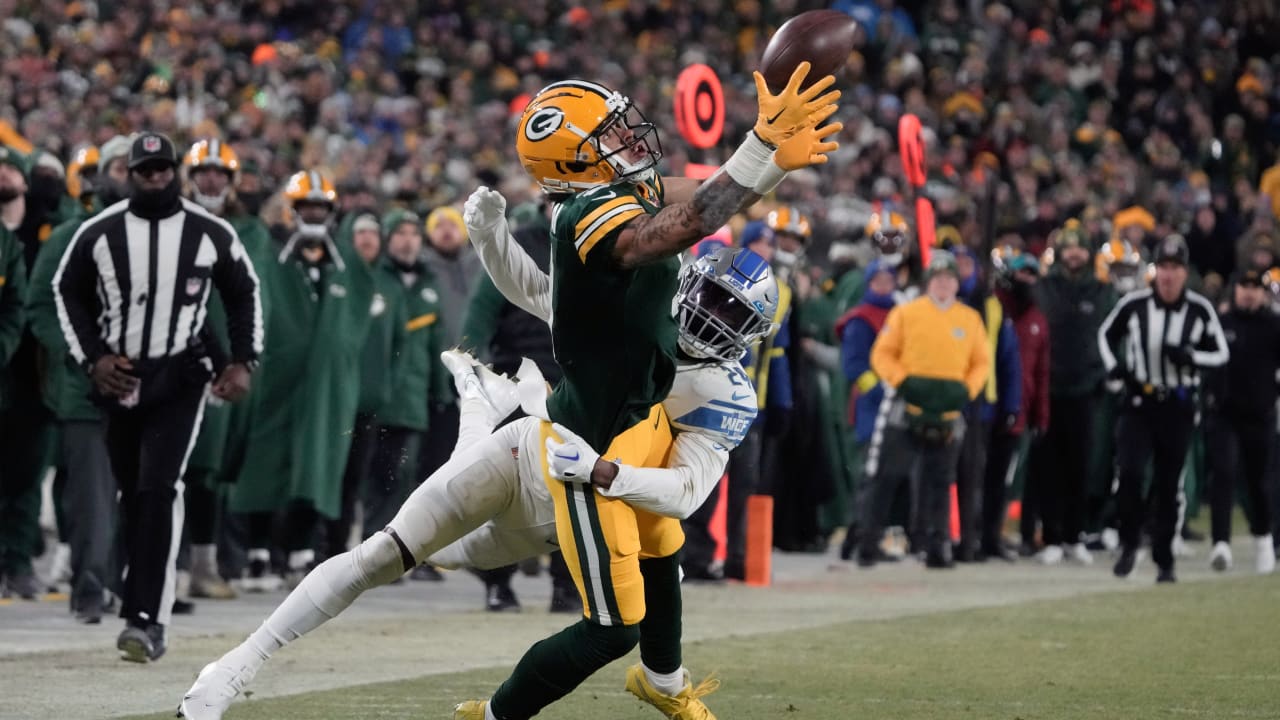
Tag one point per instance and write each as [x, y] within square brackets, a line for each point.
[752, 158]
[770, 177]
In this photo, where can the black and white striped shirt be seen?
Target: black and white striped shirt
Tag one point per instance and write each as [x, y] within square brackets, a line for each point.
[1144, 328]
[139, 287]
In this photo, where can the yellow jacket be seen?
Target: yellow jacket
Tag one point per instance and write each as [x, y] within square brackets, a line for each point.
[923, 340]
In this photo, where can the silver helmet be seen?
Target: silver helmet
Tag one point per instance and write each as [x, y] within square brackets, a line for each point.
[726, 302]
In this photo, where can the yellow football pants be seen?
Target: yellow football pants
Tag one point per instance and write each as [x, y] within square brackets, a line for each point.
[604, 539]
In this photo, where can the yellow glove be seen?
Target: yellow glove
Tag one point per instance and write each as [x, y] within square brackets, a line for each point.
[807, 147]
[784, 115]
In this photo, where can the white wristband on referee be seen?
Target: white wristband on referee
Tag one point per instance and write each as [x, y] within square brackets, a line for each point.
[752, 158]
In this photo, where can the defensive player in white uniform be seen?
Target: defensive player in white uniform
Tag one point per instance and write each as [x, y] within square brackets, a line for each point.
[488, 506]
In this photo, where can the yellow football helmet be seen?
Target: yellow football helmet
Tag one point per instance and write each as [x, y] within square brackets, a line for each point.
[888, 233]
[788, 219]
[308, 187]
[1271, 280]
[81, 171]
[1122, 265]
[574, 134]
[211, 154]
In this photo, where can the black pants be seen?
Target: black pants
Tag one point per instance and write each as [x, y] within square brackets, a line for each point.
[1061, 466]
[1239, 449]
[441, 436]
[745, 462]
[148, 447]
[392, 476]
[364, 443]
[1155, 432]
[971, 477]
[894, 456]
[1000, 452]
[89, 500]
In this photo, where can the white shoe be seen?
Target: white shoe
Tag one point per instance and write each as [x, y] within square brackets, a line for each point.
[215, 687]
[1220, 556]
[1180, 548]
[1110, 538]
[1077, 552]
[1266, 558]
[60, 567]
[475, 380]
[1051, 555]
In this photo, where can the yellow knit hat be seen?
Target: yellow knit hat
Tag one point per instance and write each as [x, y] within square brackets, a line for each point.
[445, 212]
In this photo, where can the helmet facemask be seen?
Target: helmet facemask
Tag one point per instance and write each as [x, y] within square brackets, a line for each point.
[716, 320]
[625, 116]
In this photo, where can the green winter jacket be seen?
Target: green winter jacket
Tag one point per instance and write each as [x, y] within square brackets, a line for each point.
[64, 385]
[13, 285]
[383, 344]
[303, 416]
[223, 428]
[414, 371]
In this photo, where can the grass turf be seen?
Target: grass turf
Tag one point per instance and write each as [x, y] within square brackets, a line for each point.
[1198, 650]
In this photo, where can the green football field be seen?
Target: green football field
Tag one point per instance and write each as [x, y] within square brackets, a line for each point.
[1195, 650]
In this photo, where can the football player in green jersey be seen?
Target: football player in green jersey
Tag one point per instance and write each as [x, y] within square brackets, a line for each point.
[617, 229]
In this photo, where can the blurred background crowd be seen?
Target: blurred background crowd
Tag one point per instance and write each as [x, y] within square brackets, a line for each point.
[1108, 125]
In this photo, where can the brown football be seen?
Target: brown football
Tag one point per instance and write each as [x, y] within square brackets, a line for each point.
[823, 37]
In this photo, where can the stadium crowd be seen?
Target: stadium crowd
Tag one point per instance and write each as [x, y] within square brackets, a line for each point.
[1073, 148]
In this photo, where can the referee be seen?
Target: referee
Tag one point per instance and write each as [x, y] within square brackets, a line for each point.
[1164, 336]
[131, 292]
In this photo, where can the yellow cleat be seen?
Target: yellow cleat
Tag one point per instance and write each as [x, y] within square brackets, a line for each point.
[470, 710]
[685, 706]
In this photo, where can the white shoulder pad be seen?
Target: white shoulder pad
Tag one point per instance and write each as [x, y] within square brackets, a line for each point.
[713, 399]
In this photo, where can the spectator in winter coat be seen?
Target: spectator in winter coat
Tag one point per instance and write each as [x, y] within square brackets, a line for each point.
[997, 406]
[1016, 292]
[1075, 303]
[857, 330]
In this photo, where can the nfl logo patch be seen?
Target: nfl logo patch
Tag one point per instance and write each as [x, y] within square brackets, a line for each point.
[151, 143]
[194, 285]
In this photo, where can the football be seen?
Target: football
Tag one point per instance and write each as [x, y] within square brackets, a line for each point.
[823, 37]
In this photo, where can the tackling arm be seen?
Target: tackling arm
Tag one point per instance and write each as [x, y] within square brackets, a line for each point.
[696, 464]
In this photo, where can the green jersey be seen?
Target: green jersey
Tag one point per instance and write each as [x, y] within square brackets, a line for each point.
[612, 329]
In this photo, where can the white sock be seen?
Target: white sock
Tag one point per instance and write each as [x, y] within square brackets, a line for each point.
[666, 683]
[488, 712]
[325, 592]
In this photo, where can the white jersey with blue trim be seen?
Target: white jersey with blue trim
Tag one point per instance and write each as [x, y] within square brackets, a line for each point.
[712, 399]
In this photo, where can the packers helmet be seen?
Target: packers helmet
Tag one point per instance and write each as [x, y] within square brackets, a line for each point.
[211, 154]
[1271, 280]
[1122, 265]
[81, 172]
[308, 187]
[888, 233]
[567, 138]
[788, 219]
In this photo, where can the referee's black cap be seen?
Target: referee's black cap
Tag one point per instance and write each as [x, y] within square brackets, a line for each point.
[1173, 248]
[151, 146]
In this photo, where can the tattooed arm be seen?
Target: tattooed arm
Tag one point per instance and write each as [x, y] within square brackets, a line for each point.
[678, 226]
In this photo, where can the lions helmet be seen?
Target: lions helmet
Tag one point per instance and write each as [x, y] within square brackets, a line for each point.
[211, 154]
[726, 301]
[574, 134]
